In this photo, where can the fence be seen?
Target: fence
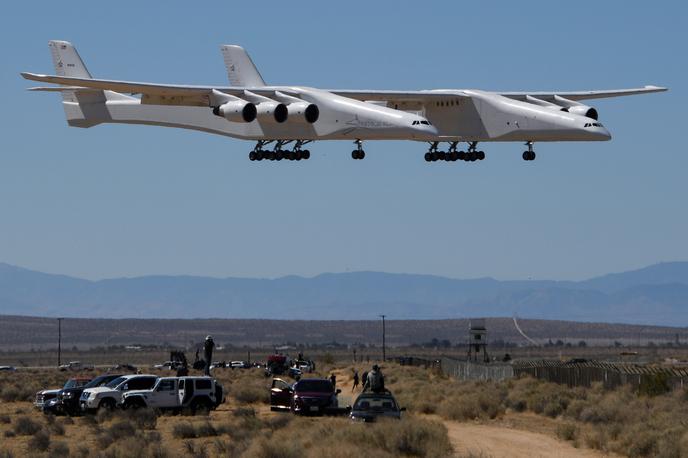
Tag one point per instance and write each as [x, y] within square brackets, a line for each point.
[611, 375]
[572, 373]
[467, 370]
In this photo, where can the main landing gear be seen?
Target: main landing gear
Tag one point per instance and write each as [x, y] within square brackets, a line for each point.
[452, 155]
[277, 154]
[358, 153]
[530, 154]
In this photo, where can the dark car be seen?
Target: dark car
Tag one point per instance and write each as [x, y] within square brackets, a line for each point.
[371, 406]
[67, 400]
[307, 396]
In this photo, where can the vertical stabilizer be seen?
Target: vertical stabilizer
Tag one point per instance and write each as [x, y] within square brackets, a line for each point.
[66, 60]
[240, 68]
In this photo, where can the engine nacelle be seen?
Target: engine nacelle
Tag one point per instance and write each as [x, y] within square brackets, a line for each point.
[237, 111]
[304, 112]
[272, 111]
[583, 110]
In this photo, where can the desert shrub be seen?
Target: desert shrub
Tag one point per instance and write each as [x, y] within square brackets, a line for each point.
[5, 419]
[57, 428]
[184, 430]
[122, 429]
[40, 441]
[567, 431]
[245, 412]
[143, 418]
[654, 384]
[196, 450]
[26, 426]
[251, 394]
[10, 433]
[5, 453]
[59, 449]
[67, 421]
[205, 429]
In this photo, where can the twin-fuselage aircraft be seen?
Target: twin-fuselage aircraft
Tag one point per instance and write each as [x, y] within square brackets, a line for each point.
[283, 119]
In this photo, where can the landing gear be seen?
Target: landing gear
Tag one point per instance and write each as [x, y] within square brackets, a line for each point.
[452, 154]
[358, 153]
[530, 154]
[277, 154]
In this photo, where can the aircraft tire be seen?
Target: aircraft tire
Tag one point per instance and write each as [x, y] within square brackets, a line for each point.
[306, 154]
[252, 156]
[461, 155]
[428, 157]
[354, 154]
[481, 155]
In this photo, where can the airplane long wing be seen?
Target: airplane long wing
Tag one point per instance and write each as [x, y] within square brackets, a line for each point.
[194, 92]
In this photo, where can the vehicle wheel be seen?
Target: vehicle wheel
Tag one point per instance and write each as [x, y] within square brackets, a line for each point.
[306, 154]
[200, 407]
[279, 155]
[461, 155]
[452, 156]
[526, 155]
[107, 404]
[428, 157]
[354, 154]
[252, 156]
[481, 155]
[361, 155]
[441, 155]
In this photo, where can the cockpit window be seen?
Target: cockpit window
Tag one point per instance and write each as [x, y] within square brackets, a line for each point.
[593, 124]
[423, 122]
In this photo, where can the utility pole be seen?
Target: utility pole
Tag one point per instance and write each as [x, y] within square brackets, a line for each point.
[59, 341]
[384, 356]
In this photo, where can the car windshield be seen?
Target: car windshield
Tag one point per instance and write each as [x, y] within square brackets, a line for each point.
[98, 381]
[381, 403]
[317, 386]
[115, 382]
[74, 383]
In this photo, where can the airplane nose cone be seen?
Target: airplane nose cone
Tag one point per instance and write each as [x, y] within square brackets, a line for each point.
[604, 134]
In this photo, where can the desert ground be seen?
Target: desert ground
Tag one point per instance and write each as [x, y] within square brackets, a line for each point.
[445, 417]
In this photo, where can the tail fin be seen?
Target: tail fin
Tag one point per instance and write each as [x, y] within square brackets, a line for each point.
[66, 60]
[240, 68]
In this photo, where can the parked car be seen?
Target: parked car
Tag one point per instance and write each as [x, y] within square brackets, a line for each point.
[43, 396]
[307, 396]
[110, 395]
[240, 365]
[370, 406]
[76, 366]
[168, 365]
[7, 369]
[129, 368]
[67, 400]
[176, 394]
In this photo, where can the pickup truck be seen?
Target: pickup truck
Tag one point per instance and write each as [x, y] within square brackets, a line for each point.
[177, 394]
[76, 366]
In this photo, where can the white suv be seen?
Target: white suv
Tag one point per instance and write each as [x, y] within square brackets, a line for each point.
[110, 395]
[176, 394]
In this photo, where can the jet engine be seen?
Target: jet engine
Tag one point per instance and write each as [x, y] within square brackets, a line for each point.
[237, 111]
[272, 111]
[303, 111]
[576, 108]
[583, 110]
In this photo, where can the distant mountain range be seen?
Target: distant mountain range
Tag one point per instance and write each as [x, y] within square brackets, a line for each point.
[657, 294]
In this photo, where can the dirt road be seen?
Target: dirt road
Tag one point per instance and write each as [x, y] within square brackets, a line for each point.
[501, 441]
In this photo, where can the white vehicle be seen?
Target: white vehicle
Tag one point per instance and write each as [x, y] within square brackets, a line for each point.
[277, 116]
[177, 393]
[110, 395]
[76, 366]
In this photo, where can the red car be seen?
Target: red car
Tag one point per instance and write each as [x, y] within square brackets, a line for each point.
[312, 396]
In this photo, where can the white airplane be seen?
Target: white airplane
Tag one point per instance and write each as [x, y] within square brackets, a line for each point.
[277, 116]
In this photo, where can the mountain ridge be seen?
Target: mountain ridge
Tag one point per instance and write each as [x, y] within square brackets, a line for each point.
[656, 294]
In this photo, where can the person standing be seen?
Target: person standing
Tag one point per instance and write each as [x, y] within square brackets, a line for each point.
[208, 347]
[355, 381]
[333, 381]
[364, 380]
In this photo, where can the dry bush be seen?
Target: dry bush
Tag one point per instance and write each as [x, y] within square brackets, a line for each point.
[26, 426]
[40, 441]
[5, 419]
[59, 449]
[567, 431]
[184, 430]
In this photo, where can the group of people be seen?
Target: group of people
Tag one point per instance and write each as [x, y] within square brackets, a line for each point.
[372, 381]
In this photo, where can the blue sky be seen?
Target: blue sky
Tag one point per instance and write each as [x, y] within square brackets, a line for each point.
[132, 200]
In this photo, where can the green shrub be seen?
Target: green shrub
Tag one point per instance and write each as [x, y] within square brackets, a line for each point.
[184, 430]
